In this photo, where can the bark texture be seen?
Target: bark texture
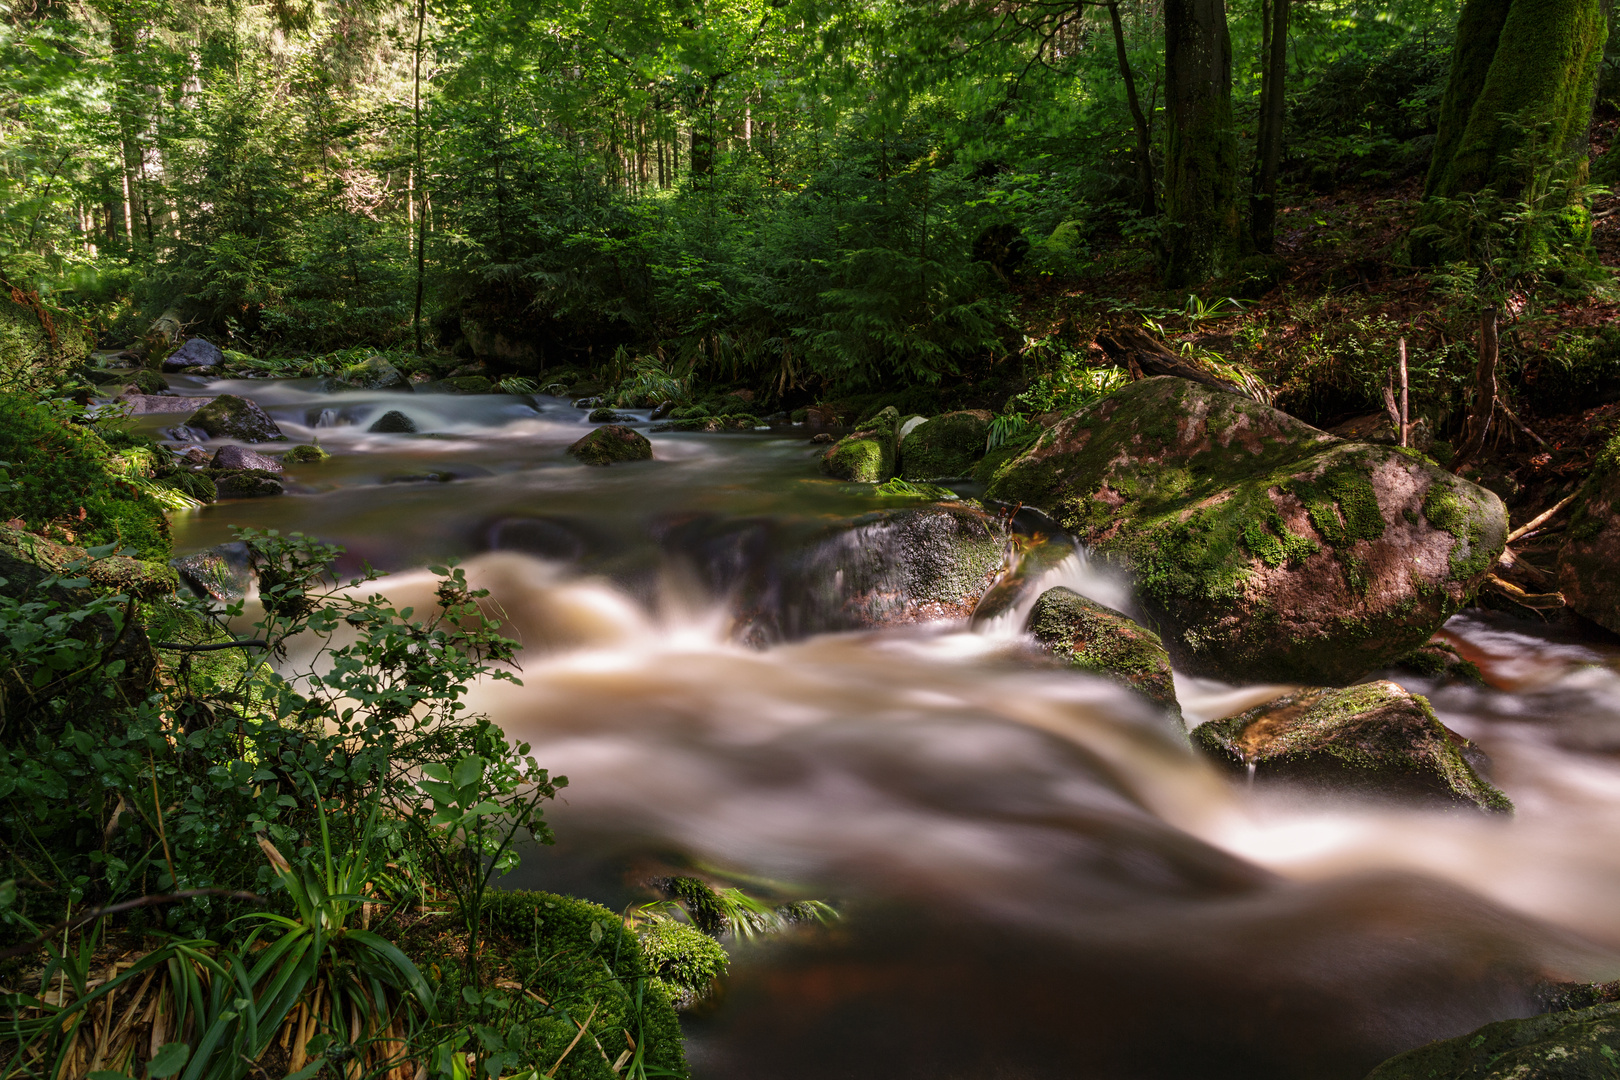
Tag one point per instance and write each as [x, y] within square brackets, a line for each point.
[1200, 184]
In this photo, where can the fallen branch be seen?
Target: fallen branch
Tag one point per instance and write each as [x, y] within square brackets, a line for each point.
[1140, 352]
[1500, 404]
[254, 644]
[1540, 519]
[1536, 601]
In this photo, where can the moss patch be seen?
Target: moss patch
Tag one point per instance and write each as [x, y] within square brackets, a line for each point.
[1583, 1043]
[1373, 739]
[945, 447]
[1105, 642]
[610, 444]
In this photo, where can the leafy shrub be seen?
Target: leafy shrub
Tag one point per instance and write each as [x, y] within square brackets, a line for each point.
[1582, 370]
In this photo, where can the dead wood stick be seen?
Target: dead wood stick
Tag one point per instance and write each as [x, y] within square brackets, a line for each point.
[1500, 404]
[1406, 415]
[1541, 518]
[1479, 422]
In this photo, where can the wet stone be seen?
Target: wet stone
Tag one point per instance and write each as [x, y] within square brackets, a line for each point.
[1100, 640]
[1373, 741]
[232, 417]
[238, 457]
[610, 444]
[393, 422]
[196, 353]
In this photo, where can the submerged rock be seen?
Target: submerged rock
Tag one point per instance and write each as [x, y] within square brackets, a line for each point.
[1261, 547]
[393, 422]
[607, 416]
[375, 373]
[1579, 1045]
[198, 352]
[612, 443]
[1369, 740]
[1588, 559]
[868, 455]
[945, 447]
[468, 384]
[232, 417]
[1439, 660]
[237, 457]
[1104, 642]
[247, 484]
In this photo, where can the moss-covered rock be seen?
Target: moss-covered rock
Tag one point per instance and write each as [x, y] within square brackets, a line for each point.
[1590, 555]
[905, 489]
[1372, 740]
[375, 373]
[1104, 642]
[304, 454]
[143, 579]
[612, 443]
[393, 422]
[145, 404]
[1579, 1045]
[246, 483]
[1260, 547]
[469, 384]
[868, 455]
[686, 962]
[232, 417]
[1439, 660]
[218, 573]
[579, 959]
[945, 447]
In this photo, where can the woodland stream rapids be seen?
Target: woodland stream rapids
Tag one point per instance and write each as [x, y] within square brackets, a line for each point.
[1037, 876]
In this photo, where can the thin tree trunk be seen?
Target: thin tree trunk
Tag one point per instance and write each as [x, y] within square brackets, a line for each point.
[1147, 203]
[1273, 108]
[1479, 421]
[421, 186]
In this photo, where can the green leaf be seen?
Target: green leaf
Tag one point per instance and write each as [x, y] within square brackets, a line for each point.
[170, 1059]
[469, 770]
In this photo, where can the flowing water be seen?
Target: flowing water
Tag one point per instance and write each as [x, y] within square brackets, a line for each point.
[1038, 877]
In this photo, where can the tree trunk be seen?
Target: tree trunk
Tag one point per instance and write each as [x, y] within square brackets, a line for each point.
[1200, 183]
[421, 182]
[1146, 203]
[1273, 108]
[1517, 64]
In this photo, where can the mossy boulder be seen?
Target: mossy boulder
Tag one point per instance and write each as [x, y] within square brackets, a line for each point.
[1373, 740]
[304, 454]
[945, 447]
[469, 384]
[868, 455]
[246, 483]
[393, 422]
[195, 353]
[221, 573]
[1261, 548]
[144, 404]
[1102, 641]
[1440, 660]
[610, 444]
[1580, 1045]
[1590, 555]
[143, 579]
[232, 417]
[375, 373]
[580, 960]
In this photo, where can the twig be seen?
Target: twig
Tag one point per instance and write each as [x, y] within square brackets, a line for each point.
[178, 647]
[1500, 404]
[1406, 416]
[128, 905]
[1540, 519]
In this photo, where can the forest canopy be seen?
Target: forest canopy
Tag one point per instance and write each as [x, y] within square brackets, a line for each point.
[802, 191]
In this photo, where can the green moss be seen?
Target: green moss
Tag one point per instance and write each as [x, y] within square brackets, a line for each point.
[866, 456]
[1274, 544]
[1447, 511]
[611, 444]
[1342, 504]
[685, 961]
[1103, 641]
[584, 963]
[470, 384]
[945, 447]
[304, 454]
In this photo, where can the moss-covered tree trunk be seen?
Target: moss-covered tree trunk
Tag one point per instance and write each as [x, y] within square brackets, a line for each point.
[1521, 69]
[1201, 175]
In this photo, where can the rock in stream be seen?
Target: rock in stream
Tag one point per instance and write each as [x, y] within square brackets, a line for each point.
[1261, 548]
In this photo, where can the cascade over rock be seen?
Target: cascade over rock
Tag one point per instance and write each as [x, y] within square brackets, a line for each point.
[1261, 548]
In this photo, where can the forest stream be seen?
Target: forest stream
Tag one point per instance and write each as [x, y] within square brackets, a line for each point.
[1036, 874]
